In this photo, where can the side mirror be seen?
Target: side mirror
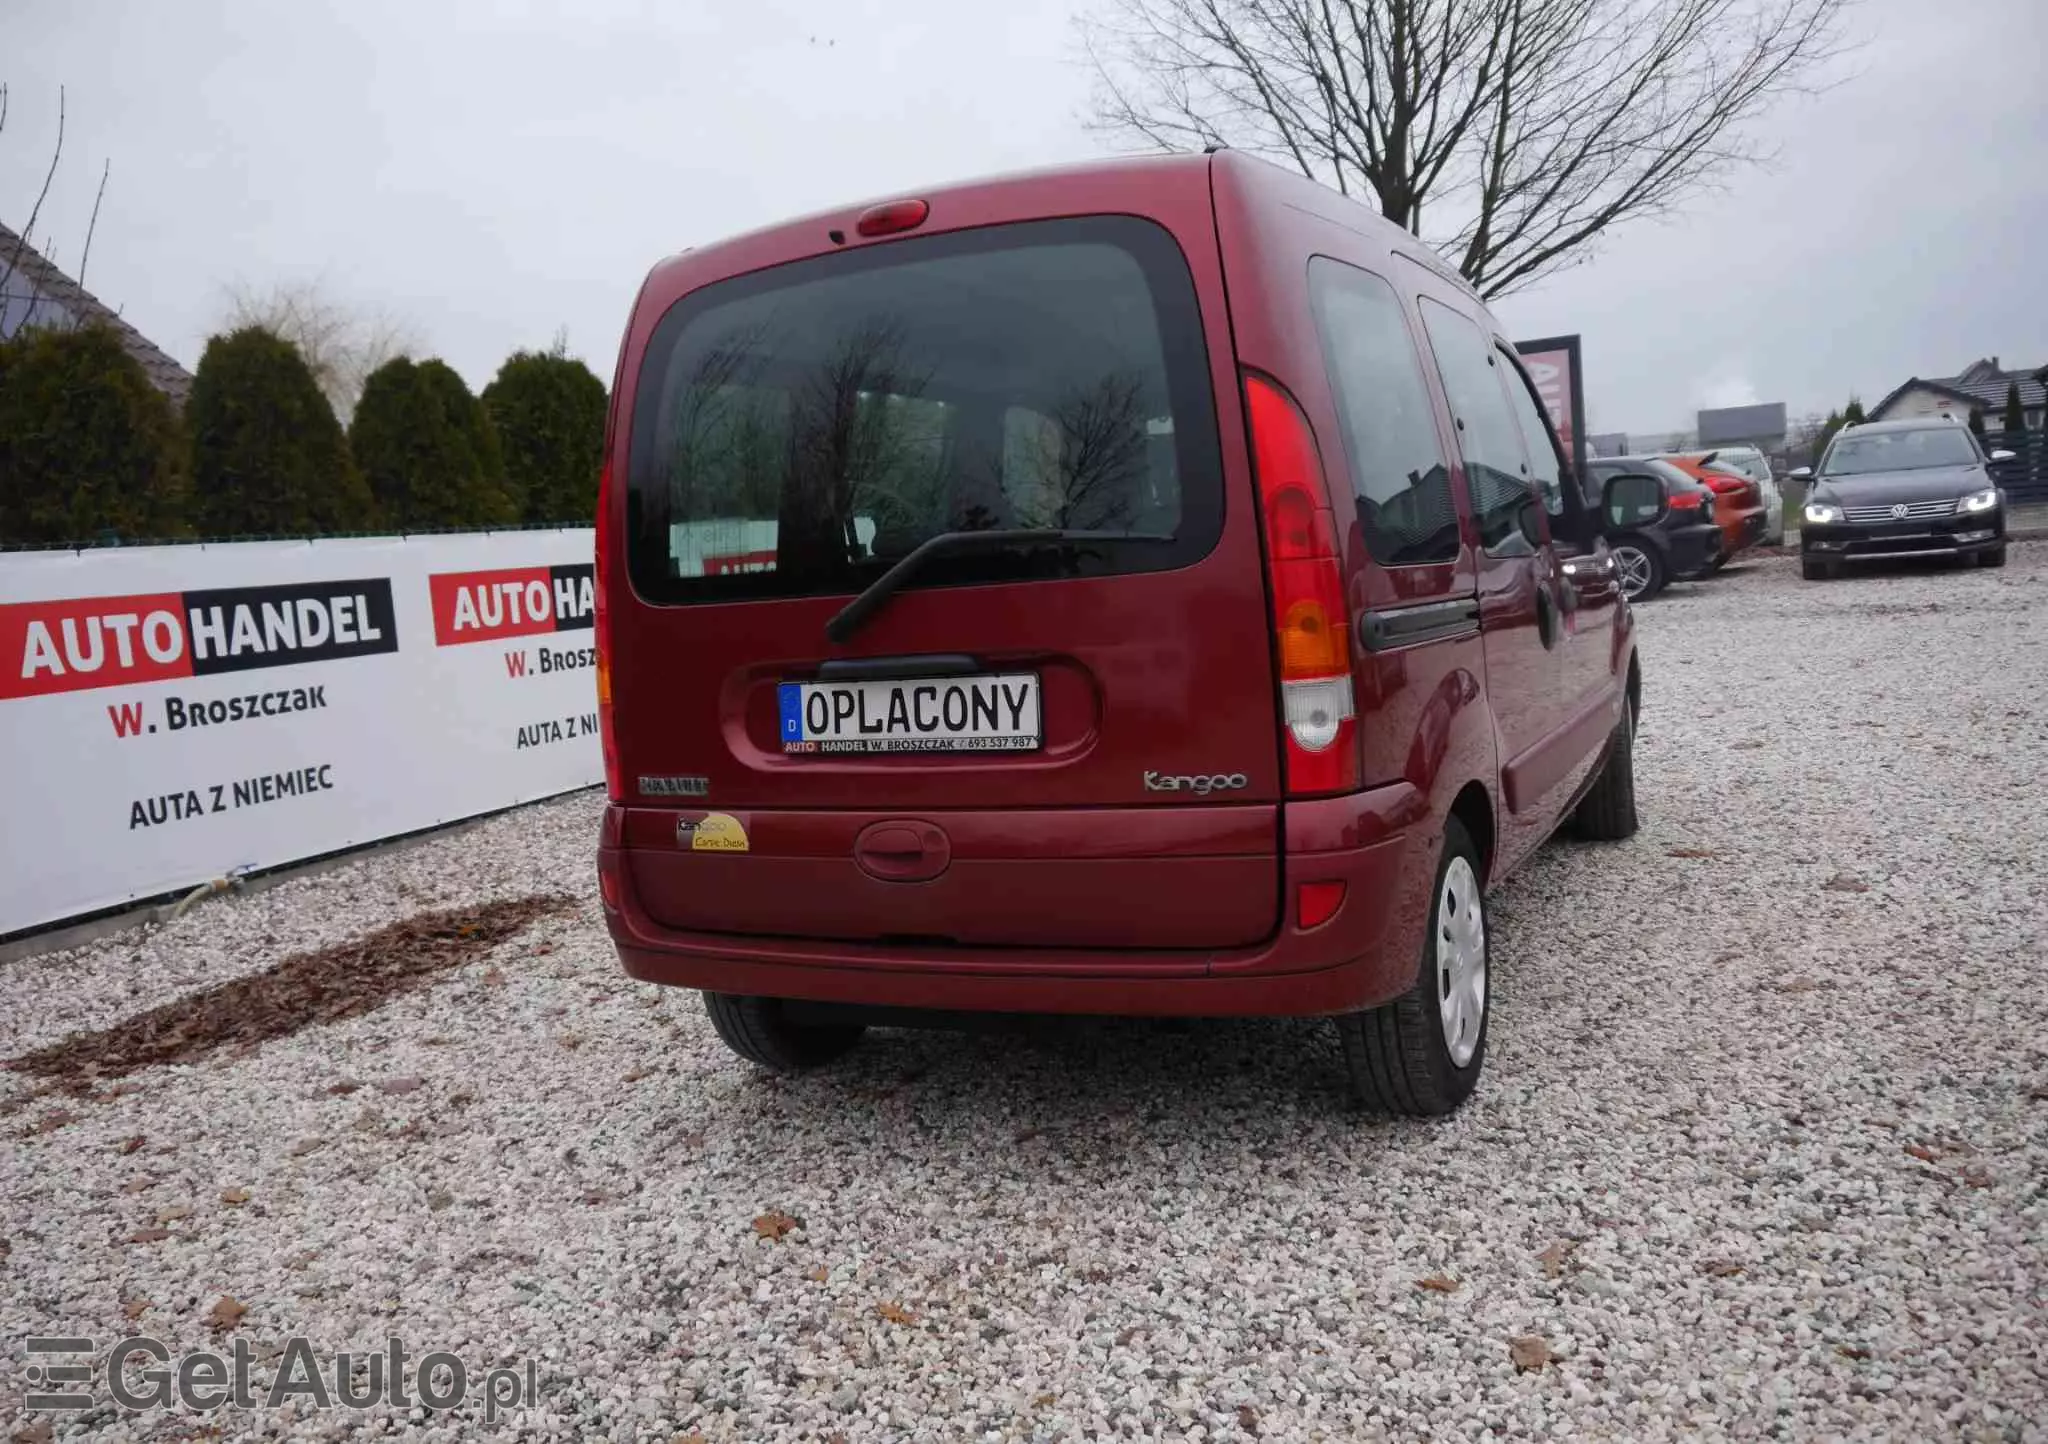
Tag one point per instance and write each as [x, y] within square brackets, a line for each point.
[1529, 521]
[1633, 501]
[2002, 456]
[1801, 473]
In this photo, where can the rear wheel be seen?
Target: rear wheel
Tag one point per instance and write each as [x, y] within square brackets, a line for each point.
[1608, 812]
[760, 1031]
[1816, 570]
[1641, 569]
[1421, 1054]
[1995, 557]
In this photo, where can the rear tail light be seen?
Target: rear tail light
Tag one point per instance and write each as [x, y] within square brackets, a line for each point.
[1311, 630]
[1689, 501]
[601, 627]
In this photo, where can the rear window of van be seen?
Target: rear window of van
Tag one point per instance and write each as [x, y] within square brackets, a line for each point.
[797, 431]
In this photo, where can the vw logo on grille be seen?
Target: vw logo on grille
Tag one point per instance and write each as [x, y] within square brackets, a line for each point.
[1899, 512]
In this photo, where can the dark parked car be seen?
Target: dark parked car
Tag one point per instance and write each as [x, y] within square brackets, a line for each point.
[1139, 588]
[1901, 489]
[1652, 546]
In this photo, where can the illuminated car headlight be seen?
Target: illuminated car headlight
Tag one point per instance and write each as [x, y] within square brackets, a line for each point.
[1821, 513]
[1977, 501]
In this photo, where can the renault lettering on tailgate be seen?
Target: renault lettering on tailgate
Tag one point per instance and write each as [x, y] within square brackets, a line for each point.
[912, 714]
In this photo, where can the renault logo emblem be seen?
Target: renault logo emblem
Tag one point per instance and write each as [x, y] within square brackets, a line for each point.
[1899, 512]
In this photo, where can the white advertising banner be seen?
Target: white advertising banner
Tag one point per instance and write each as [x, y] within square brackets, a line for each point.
[169, 715]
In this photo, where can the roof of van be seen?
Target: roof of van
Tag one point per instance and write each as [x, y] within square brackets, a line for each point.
[1282, 184]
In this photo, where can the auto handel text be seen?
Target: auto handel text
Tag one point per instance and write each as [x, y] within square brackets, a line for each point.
[141, 1374]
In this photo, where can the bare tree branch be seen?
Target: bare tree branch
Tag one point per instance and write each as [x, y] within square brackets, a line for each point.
[36, 210]
[341, 345]
[94, 224]
[1528, 128]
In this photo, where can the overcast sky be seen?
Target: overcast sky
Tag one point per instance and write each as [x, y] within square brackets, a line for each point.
[489, 172]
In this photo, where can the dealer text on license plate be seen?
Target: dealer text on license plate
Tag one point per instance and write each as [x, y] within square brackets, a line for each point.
[912, 714]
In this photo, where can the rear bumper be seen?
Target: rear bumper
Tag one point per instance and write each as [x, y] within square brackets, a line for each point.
[1377, 843]
[1944, 536]
[1690, 550]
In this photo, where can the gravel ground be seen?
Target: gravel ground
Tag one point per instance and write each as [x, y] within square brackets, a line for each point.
[1761, 1151]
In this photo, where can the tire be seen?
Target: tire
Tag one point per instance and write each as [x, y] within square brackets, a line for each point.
[1397, 1058]
[1638, 561]
[757, 1030]
[1995, 557]
[1607, 813]
[1815, 570]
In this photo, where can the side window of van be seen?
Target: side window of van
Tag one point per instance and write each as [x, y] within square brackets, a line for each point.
[1544, 467]
[1487, 435]
[1398, 474]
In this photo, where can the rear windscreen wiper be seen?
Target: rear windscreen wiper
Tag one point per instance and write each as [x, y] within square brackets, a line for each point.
[856, 612]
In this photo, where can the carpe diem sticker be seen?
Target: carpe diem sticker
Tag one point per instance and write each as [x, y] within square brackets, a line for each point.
[711, 832]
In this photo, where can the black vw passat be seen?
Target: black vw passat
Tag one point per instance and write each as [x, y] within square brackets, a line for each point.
[1901, 489]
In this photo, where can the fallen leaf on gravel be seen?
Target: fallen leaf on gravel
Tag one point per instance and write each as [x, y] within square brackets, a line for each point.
[819, 1274]
[149, 1235]
[1746, 746]
[1921, 1151]
[226, 1314]
[342, 1089]
[1557, 1257]
[1438, 1284]
[1842, 882]
[634, 1075]
[134, 1308]
[596, 1196]
[1690, 852]
[139, 1185]
[343, 981]
[1977, 1175]
[308, 1145]
[690, 1438]
[40, 1432]
[895, 1313]
[1025, 1135]
[493, 977]
[50, 1122]
[772, 1226]
[1044, 1401]
[1850, 1351]
[234, 1197]
[129, 1145]
[571, 1041]
[1720, 1268]
[1530, 1351]
[1247, 1418]
[411, 1083]
[173, 1214]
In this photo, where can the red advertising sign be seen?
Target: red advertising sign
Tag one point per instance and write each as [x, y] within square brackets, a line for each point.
[1553, 365]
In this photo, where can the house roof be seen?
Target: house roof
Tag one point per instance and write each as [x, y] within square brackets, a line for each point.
[36, 292]
[1981, 386]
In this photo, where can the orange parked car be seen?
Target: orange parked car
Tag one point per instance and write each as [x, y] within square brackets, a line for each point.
[1739, 507]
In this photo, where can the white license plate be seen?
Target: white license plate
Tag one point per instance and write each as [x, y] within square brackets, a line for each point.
[996, 713]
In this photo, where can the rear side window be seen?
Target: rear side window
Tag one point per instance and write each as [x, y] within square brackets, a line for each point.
[1397, 464]
[1487, 435]
[799, 430]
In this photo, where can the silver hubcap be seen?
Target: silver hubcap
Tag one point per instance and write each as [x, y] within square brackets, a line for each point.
[1461, 961]
[1635, 570]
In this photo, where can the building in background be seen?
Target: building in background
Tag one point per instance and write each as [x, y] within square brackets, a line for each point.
[1760, 426]
[35, 293]
[1608, 443]
[1982, 387]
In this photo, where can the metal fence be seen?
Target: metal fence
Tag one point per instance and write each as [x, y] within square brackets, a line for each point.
[2025, 477]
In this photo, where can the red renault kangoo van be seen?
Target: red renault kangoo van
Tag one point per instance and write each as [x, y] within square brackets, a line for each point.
[1146, 588]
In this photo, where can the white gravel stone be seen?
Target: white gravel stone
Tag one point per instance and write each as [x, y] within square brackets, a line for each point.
[1705, 1076]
